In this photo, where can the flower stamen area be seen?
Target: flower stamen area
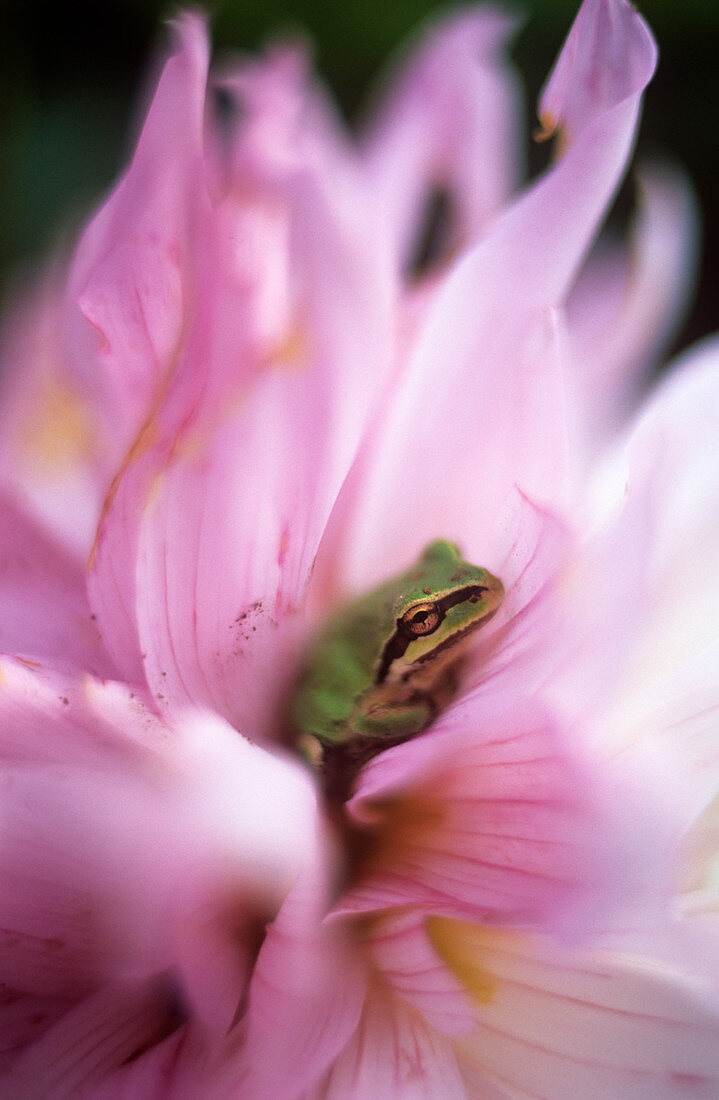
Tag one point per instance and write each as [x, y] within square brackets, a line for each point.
[460, 945]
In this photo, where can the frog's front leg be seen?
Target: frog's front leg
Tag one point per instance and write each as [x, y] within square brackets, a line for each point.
[381, 713]
[378, 722]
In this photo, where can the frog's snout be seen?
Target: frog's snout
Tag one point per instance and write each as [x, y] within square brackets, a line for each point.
[495, 591]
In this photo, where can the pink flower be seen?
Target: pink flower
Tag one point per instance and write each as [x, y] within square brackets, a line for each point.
[244, 401]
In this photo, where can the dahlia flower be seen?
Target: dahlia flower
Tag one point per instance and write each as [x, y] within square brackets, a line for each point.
[251, 394]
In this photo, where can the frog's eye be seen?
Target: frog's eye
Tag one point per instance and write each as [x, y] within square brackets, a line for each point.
[421, 618]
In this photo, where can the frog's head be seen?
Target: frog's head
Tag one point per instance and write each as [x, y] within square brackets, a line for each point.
[442, 601]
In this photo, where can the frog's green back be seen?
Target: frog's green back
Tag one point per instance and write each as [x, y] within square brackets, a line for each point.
[340, 667]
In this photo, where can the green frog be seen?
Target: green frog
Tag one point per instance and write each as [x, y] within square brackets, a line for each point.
[384, 666]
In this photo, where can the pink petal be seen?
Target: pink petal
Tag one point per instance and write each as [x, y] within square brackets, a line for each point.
[305, 1001]
[566, 1023]
[92, 1039]
[483, 390]
[393, 1053]
[173, 1067]
[655, 558]
[216, 947]
[46, 615]
[120, 836]
[672, 471]
[511, 657]
[53, 717]
[282, 159]
[594, 639]
[53, 458]
[408, 520]
[629, 300]
[493, 815]
[284, 115]
[682, 718]
[604, 65]
[399, 948]
[132, 271]
[23, 1018]
[209, 537]
[448, 119]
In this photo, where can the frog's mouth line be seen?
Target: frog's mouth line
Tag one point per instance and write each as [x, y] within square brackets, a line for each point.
[396, 646]
[456, 638]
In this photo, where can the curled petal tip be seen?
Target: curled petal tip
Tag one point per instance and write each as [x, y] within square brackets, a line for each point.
[609, 57]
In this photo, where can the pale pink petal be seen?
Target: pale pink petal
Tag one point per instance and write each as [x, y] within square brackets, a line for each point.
[278, 130]
[687, 944]
[45, 611]
[493, 815]
[511, 657]
[101, 1033]
[565, 1023]
[53, 459]
[698, 862]
[447, 120]
[398, 946]
[279, 112]
[304, 1003]
[209, 536]
[132, 272]
[629, 301]
[654, 557]
[53, 717]
[483, 391]
[121, 836]
[673, 452]
[600, 602]
[393, 1053]
[680, 717]
[380, 528]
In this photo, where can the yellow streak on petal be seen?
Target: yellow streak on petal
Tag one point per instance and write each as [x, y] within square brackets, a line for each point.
[56, 432]
[153, 491]
[145, 439]
[460, 945]
[292, 351]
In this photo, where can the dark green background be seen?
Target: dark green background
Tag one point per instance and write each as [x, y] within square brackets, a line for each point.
[70, 75]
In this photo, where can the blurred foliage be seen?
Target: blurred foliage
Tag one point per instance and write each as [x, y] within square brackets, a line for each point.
[71, 74]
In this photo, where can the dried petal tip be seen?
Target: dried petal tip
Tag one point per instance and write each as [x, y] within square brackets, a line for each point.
[547, 127]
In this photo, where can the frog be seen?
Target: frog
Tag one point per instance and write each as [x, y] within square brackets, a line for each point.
[385, 665]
